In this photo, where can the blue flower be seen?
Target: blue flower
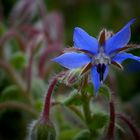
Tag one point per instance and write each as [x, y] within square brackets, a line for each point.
[95, 55]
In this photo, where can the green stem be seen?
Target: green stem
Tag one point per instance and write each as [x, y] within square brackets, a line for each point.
[77, 112]
[86, 111]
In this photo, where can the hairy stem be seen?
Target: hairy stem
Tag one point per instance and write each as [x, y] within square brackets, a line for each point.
[29, 73]
[111, 127]
[134, 130]
[87, 112]
[47, 105]
[46, 110]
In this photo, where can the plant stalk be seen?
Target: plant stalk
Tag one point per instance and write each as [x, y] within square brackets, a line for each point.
[47, 105]
[134, 130]
[87, 112]
[111, 127]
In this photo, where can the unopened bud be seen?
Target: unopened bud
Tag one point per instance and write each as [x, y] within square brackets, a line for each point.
[42, 130]
[70, 77]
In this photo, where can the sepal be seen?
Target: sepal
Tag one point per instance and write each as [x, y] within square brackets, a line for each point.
[42, 130]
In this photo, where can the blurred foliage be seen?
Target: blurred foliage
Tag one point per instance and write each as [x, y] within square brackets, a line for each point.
[22, 46]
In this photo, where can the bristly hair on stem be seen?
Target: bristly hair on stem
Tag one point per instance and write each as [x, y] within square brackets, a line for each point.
[46, 110]
[132, 127]
[111, 127]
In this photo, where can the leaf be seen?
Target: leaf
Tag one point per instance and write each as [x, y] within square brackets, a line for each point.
[104, 90]
[82, 135]
[38, 105]
[12, 92]
[89, 89]
[99, 120]
[38, 88]
[38, 91]
[18, 60]
[68, 134]
[73, 99]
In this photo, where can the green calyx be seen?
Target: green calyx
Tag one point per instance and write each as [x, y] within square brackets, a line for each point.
[41, 130]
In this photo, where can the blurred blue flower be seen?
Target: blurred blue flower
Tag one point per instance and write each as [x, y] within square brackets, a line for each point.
[95, 55]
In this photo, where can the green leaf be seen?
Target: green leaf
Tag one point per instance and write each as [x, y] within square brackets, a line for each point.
[73, 99]
[38, 105]
[68, 134]
[104, 90]
[89, 89]
[83, 135]
[38, 91]
[99, 120]
[18, 60]
[12, 93]
[38, 88]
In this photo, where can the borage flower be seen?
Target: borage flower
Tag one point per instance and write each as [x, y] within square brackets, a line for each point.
[96, 55]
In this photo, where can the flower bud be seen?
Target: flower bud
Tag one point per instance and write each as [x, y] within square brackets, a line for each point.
[42, 130]
[71, 77]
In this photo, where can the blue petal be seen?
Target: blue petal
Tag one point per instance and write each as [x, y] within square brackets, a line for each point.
[72, 60]
[84, 41]
[106, 72]
[95, 77]
[123, 56]
[120, 39]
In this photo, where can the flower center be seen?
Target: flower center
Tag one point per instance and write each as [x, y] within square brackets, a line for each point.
[101, 69]
[101, 60]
